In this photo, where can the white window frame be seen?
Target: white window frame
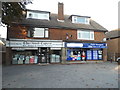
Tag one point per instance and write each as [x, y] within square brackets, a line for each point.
[75, 17]
[81, 31]
[45, 33]
[40, 15]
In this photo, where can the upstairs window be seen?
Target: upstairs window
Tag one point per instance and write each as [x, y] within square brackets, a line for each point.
[38, 32]
[85, 35]
[82, 20]
[38, 15]
[41, 33]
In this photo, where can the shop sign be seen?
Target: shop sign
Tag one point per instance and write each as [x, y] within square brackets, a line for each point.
[86, 45]
[33, 44]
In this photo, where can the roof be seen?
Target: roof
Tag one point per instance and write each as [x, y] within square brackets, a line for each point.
[67, 24]
[113, 34]
[37, 11]
[80, 16]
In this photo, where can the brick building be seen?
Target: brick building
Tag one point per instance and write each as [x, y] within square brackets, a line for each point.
[113, 42]
[55, 38]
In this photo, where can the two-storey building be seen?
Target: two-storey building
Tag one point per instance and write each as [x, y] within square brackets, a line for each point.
[113, 43]
[44, 37]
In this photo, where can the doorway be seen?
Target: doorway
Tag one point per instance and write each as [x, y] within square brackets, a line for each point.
[43, 55]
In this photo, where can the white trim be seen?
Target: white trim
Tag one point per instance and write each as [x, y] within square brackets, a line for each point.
[18, 48]
[42, 40]
[36, 15]
[75, 17]
[55, 48]
[91, 33]
[60, 20]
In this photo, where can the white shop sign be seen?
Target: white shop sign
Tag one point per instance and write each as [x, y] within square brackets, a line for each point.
[33, 44]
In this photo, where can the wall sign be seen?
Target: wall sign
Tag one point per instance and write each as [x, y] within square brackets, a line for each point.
[86, 45]
[33, 44]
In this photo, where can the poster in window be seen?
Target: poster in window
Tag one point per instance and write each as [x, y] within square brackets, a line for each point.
[100, 57]
[99, 52]
[89, 55]
[95, 55]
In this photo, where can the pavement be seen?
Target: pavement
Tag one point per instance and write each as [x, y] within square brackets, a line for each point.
[89, 75]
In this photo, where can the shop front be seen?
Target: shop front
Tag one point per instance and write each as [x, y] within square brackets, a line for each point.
[35, 51]
[85, 51]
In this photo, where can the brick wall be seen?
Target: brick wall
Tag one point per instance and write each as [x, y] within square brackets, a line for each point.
[54, 34]
[99, 36]
[60, 34]
[113, 45]
[17, 32]
[113, 50]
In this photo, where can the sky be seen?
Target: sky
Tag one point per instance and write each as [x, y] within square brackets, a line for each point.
[104, 12]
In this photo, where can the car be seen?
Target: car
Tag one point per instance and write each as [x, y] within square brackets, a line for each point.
[118, 59]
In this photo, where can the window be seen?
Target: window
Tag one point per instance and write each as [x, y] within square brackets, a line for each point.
[41, 32]
[83, 20]
[38, 15]
[94, 55]
[87, 35]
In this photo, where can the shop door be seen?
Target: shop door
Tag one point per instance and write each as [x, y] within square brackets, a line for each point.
[43, 55]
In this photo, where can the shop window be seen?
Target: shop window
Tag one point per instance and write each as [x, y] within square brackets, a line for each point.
[83, 55]
[87, 35]
[55, 56]
[94, 54]
[25, 57]
[74, 55]
[89, 55]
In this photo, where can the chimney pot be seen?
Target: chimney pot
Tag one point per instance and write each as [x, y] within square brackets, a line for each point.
[60, 11]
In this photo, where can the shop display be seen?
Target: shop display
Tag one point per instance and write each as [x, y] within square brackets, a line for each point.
[95, 55]
[43, 58]
[89, 55]
[27, 60]
[14, 61]
[36, 59]
[74, 55]
[26, 57]
[82, 55]
[20, 61]
[53, 58]
[57, 58]
[31, 59]
[100, 54]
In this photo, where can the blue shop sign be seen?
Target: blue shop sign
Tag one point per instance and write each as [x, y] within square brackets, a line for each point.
[86, 45]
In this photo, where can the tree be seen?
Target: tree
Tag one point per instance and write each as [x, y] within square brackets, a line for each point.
[12, 11]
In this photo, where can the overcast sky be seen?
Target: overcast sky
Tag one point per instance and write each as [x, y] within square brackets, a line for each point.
[105, 12]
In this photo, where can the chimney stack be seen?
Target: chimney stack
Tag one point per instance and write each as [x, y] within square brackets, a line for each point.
[60, 11]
